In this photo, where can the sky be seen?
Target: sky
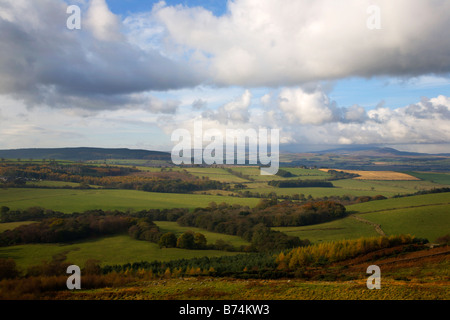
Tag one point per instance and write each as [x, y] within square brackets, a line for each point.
[328, 74]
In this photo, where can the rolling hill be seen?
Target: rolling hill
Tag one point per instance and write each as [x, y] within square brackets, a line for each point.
[83, 154]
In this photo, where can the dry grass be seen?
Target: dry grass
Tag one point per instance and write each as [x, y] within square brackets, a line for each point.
[379, 175]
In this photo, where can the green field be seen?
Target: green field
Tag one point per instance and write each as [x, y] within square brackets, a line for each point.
[218, 174]
[255, 174]
[403, 202]
[424, 216]
[57, 184]
[428, 222]
[66, 200]
[211, 237]
[347, 228]
[351, 187]
[118, 249]
[441, 178]
[12, 225]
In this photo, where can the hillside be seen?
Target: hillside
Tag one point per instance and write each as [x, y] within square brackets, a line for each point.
[372, 159]
[83, 154]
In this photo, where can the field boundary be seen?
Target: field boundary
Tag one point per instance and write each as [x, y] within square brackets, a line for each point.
[408, 207]
[376, 226]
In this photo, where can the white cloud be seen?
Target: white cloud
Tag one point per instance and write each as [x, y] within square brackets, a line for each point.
[174, 64]
[306, 107]
[102, 22]
[426, 122]
[355, 113]
[273, 43]
[236, 111]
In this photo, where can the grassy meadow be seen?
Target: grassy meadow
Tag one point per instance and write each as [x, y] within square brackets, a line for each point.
[347, 228]
[119, 249]
[71, 200]
[424, 216]
[211, 237]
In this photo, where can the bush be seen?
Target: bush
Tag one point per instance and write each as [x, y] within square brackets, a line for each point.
[8, 269]
[444, 239]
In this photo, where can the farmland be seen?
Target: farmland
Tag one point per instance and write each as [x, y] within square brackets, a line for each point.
[108, 250]
[424, 216]
[211, 237]
[380, 175]
[377, 203]
[79, 200]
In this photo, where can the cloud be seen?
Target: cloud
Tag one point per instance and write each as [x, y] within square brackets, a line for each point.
[430, 109]
[256, 43]
[236, 111]
[424, 122]
[199, 104]
[104, 25]
[355, 113]
[308, 116]
[303, 107]
[266, 43]
[42, 62]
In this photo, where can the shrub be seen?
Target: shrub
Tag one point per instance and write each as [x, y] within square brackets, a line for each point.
[8, 269]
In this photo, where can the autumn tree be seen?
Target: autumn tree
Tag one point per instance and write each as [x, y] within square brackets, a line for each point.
[200, 241]
[8, 269]
[186, 240]
[168, 240]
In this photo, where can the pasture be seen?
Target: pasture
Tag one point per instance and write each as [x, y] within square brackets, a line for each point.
[441, 178]
[424, 216]
[119, 249]
[347, 228]
[211, 237]
[68, 201]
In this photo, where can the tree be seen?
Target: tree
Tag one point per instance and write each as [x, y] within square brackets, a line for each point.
[168, 240]
[199, 241]
[186, 240]
[8, 269]
[92, 267]
[134, 232]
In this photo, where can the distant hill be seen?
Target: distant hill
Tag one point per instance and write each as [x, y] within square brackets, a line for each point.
[83, 154]
[372, 151]
[369, 158]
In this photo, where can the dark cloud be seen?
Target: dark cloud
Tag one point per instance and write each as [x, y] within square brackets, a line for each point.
[41, 61]
[199, 104]
[426, 109]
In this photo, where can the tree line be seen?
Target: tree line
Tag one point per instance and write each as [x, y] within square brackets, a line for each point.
[300, 184]
[67, 229]
[109, 177]
[334, 251]
[254, 224]
[57, 227]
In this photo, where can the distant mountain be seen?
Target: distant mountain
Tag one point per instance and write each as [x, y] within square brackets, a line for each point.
[83, 154]
[372, 152]
[369, 158]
